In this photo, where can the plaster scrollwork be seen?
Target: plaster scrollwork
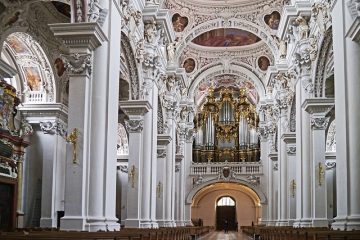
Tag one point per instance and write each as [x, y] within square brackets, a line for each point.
[330, 165]
[291, 150]
[161, 153]
[152, 66]
[255, 180]
[25, 128]
[321, 14]
[134, 126]
[130, 16]
[54, 127]
[263, 133]
[276, 166]
[319, 123]
[124, 168]
[354, 8]
[78, 63]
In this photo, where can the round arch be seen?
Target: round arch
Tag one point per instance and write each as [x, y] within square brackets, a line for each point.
[235, 23]
[130, 61]
[254, 192]
[235, 69]
[36, 80]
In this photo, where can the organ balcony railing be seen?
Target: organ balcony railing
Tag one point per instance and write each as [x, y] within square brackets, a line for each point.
[225, 128]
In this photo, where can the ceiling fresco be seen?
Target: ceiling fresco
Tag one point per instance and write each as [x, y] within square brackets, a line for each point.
[228, 81]
[226, 37]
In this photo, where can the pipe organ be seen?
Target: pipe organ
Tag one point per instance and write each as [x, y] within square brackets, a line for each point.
[226, 128]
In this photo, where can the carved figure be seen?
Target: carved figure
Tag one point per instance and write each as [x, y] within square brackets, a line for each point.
[150, 31]
[171, 48]
[140, 51]
[303, 27]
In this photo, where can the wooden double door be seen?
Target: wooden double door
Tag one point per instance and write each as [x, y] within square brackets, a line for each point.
[226, 217]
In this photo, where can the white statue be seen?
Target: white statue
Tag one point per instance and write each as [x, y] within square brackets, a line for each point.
[171, 48]
[282, 49]
[140, 51]
[150, 31]
[303, 27]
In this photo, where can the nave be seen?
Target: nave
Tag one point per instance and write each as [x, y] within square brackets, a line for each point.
[220, 235]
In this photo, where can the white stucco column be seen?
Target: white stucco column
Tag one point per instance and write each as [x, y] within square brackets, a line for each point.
[304, 89]
[273, 188]
[282, 104]
[188, 180]
[346, 29]
[163, 141]
[135, 110]
[290, 140]
[318, 108]
[53, 145]
[80, 114]
[265, 180]
[178, 207]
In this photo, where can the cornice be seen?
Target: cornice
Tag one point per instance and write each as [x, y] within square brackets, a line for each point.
[289, 138]
[35, 113]
[135, 107]
[318, 105]
[79, 35]
[163, 139]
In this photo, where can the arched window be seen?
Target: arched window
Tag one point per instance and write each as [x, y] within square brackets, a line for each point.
[226, 201]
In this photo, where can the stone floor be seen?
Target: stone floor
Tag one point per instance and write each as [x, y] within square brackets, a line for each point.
[225, 236]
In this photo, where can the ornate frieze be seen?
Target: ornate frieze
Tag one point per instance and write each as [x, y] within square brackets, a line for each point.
[321, 15]
[134, 126]
[78, 63]
[319, 123]
[54, 127]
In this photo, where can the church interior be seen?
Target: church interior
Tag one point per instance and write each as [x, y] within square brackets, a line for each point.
[191, 119]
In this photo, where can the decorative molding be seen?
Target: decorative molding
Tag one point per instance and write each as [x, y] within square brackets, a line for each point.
[291, 150]
[319, 123]
[177, 168]
[78, 63]
[161, 153]
[330, 165]
[134, 126]
[54, 127]
[124, 168]
[276, 166]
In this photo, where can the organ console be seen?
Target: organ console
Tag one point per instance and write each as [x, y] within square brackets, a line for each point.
[225, 128]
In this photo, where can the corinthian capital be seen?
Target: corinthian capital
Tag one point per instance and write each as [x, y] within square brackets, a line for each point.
[55, 127]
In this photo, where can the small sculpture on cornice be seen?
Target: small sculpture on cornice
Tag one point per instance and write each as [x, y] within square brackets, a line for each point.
[198, 180]
[96, 13]
[171, 49]
[255, 180]
[140, 51]
[303, 27]
[150, 31]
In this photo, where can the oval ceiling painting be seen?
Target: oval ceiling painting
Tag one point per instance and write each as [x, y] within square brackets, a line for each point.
[226, 37]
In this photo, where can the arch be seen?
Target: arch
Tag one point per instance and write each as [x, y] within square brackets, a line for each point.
[253, 191]
[234, 23]
[235, 68]
[325, 59]
[122, 140]
[36, 78]
[130, 61]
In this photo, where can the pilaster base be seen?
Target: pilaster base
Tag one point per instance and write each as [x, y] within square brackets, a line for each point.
[179, 224]
[72, 223]
[189, 223]
[306, 222]
[270, 223]
[346, 223]
[320, 222]
[154, 224]
[282, 223]
[47, 222]
[297, 223]
[96, 224]
[139, 223]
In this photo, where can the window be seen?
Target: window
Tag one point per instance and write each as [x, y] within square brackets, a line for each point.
[226, 201]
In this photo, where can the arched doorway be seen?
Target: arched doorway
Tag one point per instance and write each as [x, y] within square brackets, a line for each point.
[206, 200]
[226, 213]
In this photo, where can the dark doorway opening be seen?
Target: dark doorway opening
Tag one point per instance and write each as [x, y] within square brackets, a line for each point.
[226, 214]
[223, 214]
[7, 206]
